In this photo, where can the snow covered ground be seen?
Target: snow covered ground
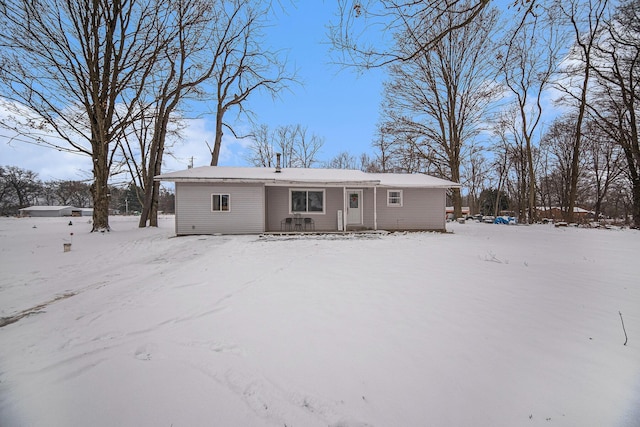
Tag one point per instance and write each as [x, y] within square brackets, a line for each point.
[486, 326]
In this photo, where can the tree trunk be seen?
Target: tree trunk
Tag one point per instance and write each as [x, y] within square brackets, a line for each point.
[635, 192]
[573, 189]
[151, 188]
[100, 192]
[456, 199]
[531, 216]
[153, 220]
[215, 154]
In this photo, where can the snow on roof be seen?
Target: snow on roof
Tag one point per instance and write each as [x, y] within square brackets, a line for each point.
[412, 180]
[304, 176]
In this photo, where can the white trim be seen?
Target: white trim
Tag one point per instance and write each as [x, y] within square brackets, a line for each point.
[395, 205]
[228, 202]
[308, 212]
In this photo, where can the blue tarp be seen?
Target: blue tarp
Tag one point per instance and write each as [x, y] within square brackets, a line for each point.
[505, 220]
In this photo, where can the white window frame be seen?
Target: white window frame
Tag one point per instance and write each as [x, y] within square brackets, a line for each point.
[308, 212]
[397, 204]
[228, 202]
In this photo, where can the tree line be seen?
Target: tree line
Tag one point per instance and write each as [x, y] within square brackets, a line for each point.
[537, 102]
[21, 188]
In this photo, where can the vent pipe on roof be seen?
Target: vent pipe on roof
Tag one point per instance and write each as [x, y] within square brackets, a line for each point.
[278, 170]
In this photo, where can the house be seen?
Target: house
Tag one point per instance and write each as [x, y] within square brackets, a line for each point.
[235, 200]
[558, 214]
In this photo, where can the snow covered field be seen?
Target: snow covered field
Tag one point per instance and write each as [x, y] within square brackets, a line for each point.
[486, 326]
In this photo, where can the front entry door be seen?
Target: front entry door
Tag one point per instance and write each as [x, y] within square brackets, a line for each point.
[354, 207]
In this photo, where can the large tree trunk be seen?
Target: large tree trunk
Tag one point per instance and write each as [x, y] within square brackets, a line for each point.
[151, 188]
[100, 192]
[636, 203]
[153, 220]
[456, 197]
[631, 153]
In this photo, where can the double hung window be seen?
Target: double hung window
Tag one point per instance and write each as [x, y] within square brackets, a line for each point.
[394, 197]
[220, 202]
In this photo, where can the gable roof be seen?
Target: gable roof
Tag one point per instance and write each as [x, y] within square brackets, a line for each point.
[305, 176]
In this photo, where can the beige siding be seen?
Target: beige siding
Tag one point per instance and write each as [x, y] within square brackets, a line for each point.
[194, 215]
[278, 208]
[422, 209]
[255, 209]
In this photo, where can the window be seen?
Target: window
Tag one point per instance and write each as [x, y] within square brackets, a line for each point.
[220, 202]
[309, 201]
[394, 197]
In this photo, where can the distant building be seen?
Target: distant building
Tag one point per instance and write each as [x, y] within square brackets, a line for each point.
[55, 211]
[465, 212]
[557, 214]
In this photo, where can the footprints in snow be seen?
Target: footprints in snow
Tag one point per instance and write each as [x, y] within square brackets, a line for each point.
[150, 351]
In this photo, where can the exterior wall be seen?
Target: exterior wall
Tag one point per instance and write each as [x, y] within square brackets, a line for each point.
[194, 215]
[278, 208]
[255, 209]
[422, 209]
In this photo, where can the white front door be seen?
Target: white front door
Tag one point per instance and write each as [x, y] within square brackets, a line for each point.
[354, 206]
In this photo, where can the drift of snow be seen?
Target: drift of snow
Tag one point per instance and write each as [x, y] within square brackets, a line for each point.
[486, 326]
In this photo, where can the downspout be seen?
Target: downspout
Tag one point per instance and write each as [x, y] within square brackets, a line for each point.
[375, 208]
[344, 209]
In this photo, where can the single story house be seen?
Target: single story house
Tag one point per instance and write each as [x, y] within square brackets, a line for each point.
[240, 200]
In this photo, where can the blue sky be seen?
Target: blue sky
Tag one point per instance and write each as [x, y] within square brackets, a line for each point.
[337, 105]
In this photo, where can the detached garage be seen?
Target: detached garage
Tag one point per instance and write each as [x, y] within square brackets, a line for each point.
[48, 211]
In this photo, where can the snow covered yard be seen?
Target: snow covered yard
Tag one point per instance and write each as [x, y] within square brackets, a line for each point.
[486, 326]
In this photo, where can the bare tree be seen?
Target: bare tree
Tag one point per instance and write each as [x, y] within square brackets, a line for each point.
[297, 149]
[243, 64]
[72, 66]
[587, 20]
[501, 164]
[511, 160]
[307, 147]
[365, 30]
[557, 146]
[184, 64]
[529, 59]
[19, 188]
[262, 152]
[74, 193]
[617, 68]
[439, 98]
[342, 160]
[605, 163]
[474, 174]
